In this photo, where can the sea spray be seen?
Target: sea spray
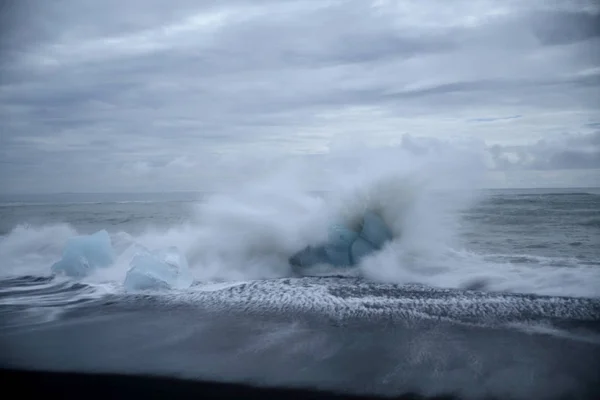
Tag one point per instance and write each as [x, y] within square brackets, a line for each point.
[249, 229]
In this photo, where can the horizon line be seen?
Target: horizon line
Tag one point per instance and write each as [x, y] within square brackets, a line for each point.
[225, 191]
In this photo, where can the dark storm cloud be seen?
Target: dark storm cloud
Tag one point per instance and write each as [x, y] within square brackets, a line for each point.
[110, 91]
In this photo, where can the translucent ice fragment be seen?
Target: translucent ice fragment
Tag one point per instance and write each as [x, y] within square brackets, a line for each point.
[163, 269]
[374, 230]
[345, 247]
[82, 254]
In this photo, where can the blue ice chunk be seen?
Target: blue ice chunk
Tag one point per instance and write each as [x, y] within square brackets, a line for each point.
[82, 254]
[341, 236]
[361, 248]
[164, 269]
[344, 246]
[338, 246]
[337, 255]
[309, 256]
[336, 251]
[375, 230]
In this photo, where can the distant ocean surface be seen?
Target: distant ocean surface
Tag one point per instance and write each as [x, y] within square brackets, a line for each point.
[504, 289]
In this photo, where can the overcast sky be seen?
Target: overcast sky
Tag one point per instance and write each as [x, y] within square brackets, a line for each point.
[147, 94]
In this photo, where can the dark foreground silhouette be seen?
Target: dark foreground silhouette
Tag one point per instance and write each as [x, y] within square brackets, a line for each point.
[110, 386]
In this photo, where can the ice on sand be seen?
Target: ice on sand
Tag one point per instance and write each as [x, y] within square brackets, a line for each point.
[82, 254]
[346, 247]
[163, 269]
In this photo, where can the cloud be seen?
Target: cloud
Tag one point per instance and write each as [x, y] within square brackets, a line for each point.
[559, 28]
[118, 86]
[562, 153]
[492, 119]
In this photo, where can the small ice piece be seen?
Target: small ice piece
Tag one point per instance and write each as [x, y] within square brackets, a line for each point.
[163, 269]
[82, 254]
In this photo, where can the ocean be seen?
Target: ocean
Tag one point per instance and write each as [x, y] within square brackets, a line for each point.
[495, 293]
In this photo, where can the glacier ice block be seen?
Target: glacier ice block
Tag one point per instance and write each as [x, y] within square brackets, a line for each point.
[82, 254]
[346, 247]
[158, 270]
[361, 248]
[338, 245]
[374, 230]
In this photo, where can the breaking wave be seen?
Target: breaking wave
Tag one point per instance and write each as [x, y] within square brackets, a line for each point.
[249, 231]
